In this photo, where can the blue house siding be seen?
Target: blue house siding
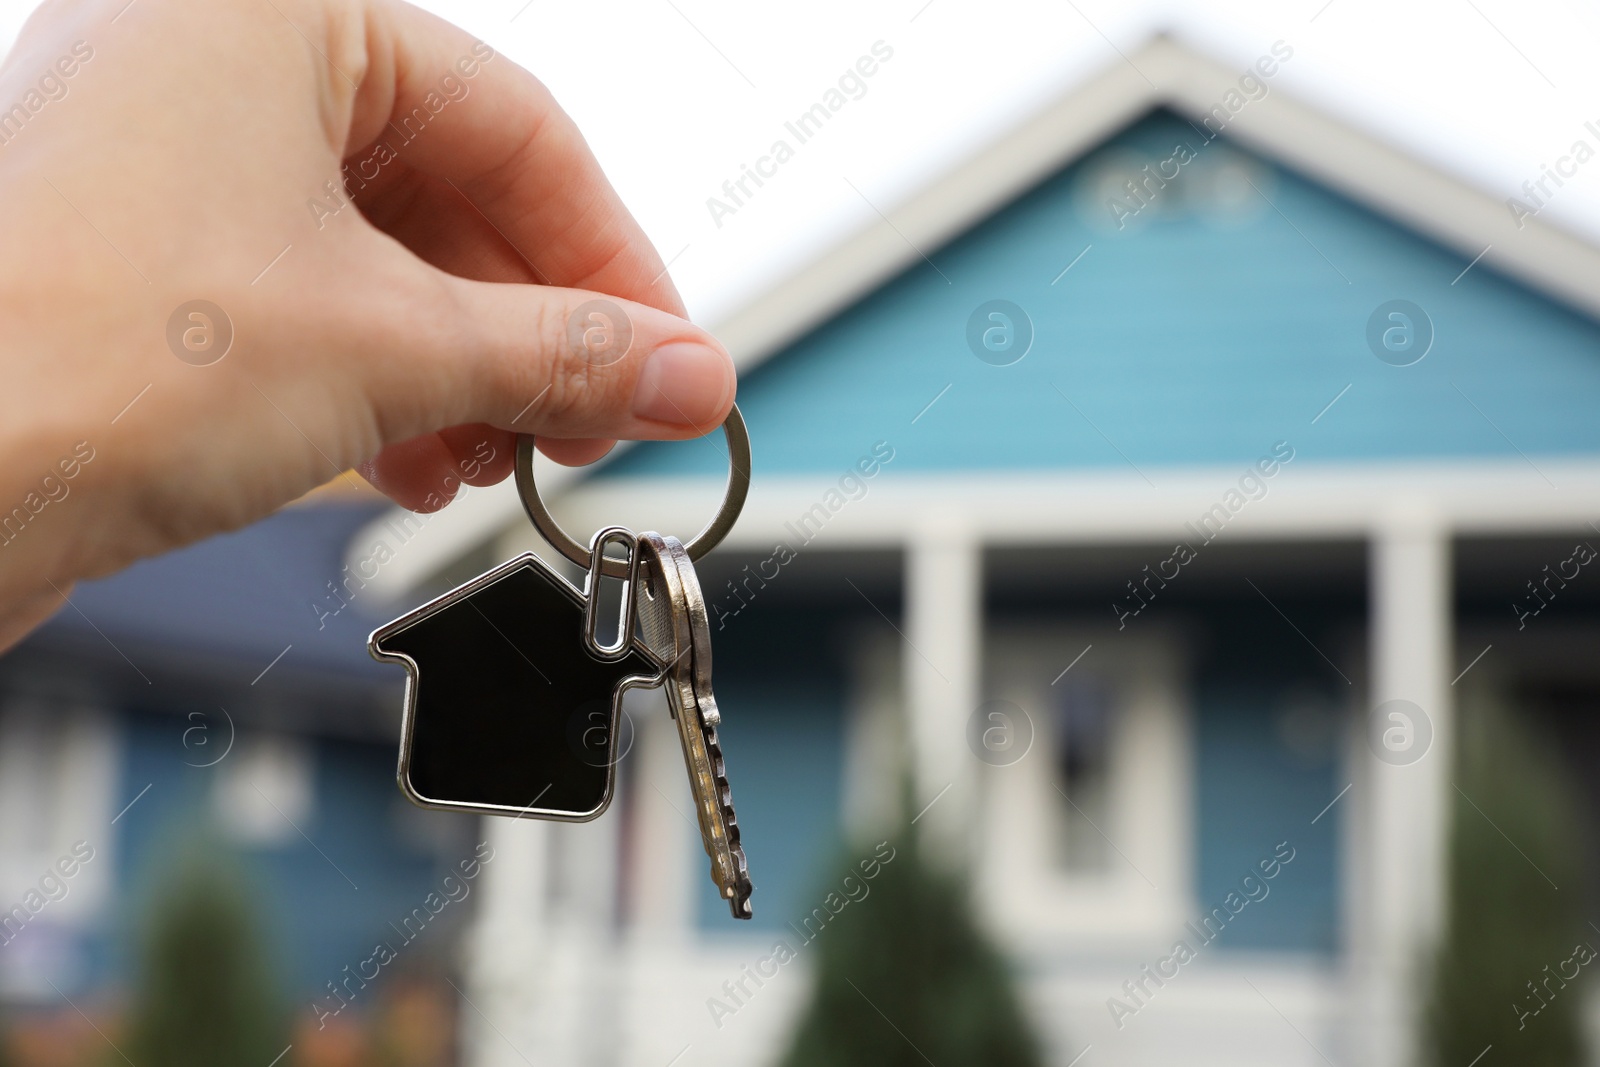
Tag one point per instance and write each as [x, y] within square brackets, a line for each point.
[1269, 729]
[1191, 338]
[782, 696]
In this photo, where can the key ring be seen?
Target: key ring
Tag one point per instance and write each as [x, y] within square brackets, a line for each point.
[702, 543]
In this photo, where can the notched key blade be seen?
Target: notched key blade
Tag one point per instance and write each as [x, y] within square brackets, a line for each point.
[736, 886]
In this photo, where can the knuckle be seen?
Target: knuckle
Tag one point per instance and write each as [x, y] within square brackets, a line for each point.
[572, 383]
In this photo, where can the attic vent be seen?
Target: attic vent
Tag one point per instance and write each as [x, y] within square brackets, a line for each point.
[1124, 190]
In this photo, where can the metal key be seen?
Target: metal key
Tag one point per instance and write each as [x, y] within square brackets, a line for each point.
[674, 624]
[711, 720]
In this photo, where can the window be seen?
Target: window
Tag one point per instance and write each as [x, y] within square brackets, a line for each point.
[264, 793]
[1086, 835]
[1080, 713]
[58, 794]
[1082, 832]
[57, 782]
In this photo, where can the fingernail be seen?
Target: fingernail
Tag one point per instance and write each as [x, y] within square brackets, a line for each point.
[684, 384]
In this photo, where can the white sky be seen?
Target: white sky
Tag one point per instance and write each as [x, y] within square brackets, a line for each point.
[675, 95]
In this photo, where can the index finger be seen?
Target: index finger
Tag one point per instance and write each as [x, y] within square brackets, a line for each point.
[454, 109]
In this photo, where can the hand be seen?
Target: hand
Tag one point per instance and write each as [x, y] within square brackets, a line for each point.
[165, 152]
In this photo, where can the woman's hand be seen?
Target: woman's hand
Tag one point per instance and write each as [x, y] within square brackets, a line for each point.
[199, 322]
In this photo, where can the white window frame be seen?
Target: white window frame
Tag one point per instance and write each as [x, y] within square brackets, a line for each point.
[1147, 888]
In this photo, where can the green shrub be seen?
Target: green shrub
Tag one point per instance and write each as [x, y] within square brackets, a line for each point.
[905, 977]
[204, 994]
[1507, 920]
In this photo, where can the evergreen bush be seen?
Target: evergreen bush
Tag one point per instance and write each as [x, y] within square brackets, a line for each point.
[905, 977]
[205, 993]
[1504, 974]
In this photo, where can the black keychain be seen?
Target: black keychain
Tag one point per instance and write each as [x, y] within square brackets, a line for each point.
[501, 702]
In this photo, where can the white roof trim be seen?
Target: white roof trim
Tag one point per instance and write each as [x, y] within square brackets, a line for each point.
[1163, 72]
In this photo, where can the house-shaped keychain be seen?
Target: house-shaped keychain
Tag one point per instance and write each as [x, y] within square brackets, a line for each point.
[506, 710]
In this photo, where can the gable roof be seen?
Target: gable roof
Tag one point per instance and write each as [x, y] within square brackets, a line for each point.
[1163, 73]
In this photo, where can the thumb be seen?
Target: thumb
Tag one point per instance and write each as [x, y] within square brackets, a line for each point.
[554, 362]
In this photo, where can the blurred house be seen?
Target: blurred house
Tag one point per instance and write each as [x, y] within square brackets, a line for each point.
[1151, 487]
[1157, 479]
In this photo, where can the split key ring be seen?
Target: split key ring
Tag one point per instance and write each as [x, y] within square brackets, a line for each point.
[703, 542]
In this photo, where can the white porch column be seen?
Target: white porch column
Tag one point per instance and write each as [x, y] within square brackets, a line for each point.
[668, 860]
[506, 941]
[942, 661]
[540, 970]
[1404, 768]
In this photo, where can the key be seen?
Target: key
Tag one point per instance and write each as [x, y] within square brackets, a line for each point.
[674, 624]
[711, 719]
